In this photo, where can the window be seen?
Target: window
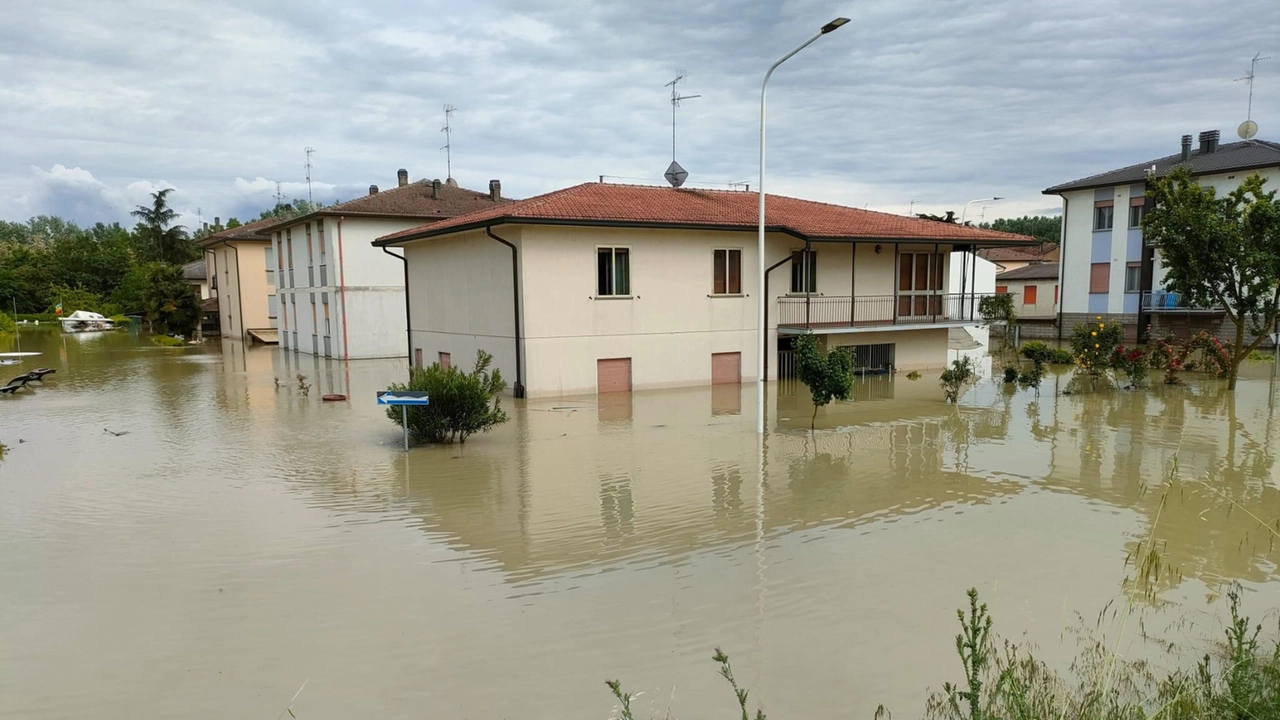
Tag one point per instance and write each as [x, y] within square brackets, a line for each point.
[445, 361]
[1133, 277]
[919, 280]
[273, 307]
[1029, 294]
[804, 272]
[270, 254]
[314, 324]
[727, 272]
[320, 239]
[288, 239]
[1100, 278]
[613, 271]
[279, 254]
[1002, 289]
[1102, 215]
[284, 314]
[417, 357]
[1055, 294]
[310, 256]
[1135, 215]
[326, 314]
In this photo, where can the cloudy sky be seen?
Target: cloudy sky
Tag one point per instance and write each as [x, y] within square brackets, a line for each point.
[936, 102]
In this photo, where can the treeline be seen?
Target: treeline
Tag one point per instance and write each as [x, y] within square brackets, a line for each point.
[1045, 228]
[105, 267]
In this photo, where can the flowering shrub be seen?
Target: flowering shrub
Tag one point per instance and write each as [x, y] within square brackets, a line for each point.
[1095, 345]
[1168, 357]
[1213, 356]
[1132, 362]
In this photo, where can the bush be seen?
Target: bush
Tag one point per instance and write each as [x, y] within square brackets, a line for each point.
[1010, 374]
[172, 305]
[828, 375]
[1033, 349]
[167, 341]
[7, 324]
[1095, 345]
[1133, 363]
[955, 378]
[462, 403]
[1061, 357]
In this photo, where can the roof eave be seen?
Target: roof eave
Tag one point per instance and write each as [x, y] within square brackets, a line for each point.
[1071, 187]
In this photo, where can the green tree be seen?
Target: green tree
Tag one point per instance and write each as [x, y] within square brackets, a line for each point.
[284, 211]
[73, 299]
[171, 304]
[828, 375]
[162, 240]
[1045, 228]
[1220, 251]
[955, 378]
[461, 403]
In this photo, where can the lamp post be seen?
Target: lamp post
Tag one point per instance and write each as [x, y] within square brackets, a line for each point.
[762, 330]
[966, 205]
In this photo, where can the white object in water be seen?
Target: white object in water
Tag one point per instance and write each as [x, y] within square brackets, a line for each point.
[85, 321]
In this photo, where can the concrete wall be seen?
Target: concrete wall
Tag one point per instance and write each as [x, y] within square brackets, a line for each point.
[913, 349]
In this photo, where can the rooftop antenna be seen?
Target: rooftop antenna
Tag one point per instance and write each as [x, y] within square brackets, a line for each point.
[1249, 128]
[911, 209]
[448, 132]
[309, 150]
[279, 195]
[675, 174]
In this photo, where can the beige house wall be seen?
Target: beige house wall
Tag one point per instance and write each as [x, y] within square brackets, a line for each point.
[243, 286]
[1043, 309]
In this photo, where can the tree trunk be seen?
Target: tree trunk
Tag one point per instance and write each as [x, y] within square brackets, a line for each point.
[1237, 355]
[813, 421]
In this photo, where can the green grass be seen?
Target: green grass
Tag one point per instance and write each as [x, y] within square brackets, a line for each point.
[167, 341]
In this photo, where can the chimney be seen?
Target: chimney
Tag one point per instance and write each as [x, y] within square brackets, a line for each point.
[217, 221]
[495, 190]
[435, 189]
[1186, 147]
[1209, 141]
[402, 176]
[206, 226]
[373, 189]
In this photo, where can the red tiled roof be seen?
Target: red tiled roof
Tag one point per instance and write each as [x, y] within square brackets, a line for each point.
[415, 200]
[1016, 254]
[641, 205]
[248, 231]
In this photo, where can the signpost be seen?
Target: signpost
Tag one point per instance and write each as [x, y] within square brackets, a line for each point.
[403, 398]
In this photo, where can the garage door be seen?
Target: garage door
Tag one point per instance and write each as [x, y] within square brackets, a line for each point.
[613, 375]
[726, 368]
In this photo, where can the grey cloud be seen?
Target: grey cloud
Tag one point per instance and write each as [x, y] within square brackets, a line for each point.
[936, 102]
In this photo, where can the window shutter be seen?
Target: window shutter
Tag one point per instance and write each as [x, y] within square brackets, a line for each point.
[1100, 278]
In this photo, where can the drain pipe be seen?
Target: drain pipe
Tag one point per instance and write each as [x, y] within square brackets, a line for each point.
[1062, 268]
[765, 299]
[517, 389]
[408, 326]
[342, 292]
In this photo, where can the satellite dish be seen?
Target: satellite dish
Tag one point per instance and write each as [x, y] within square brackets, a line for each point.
[1247, 130]
[675, 174]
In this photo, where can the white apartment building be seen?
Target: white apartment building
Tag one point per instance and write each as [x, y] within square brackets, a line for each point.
[1107, 269]
[338, 295]
[600, 288]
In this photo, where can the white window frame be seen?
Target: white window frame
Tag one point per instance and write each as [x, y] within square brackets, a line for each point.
[1111, 218]
[726, 250]
[811, 265]
[613, 269]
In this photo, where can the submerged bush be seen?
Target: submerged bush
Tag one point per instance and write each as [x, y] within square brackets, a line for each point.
[1095, 345]
[1010, 375]
[461, 403]
[955, 378]
[167, 341]
[828, 375]
[7, 324]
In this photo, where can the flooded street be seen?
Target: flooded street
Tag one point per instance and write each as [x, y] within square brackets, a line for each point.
[179, 537]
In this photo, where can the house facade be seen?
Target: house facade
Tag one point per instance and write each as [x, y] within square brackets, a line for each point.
[600, 288]
[239, 265]
[1108, 270]
[338, 295]
[1036, 294]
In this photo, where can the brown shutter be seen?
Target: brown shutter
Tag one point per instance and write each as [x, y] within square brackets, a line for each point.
[1029, 295]
[726, 368]
[1099, 277]
[735, 272]
[718, 275]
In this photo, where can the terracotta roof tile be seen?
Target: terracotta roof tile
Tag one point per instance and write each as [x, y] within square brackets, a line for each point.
[248, 231]
[696, 208]
[414, 200]
[1016, 254]
[1036, 271]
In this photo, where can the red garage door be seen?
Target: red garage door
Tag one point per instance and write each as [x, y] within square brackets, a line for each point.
[613, 375]
[726, 368]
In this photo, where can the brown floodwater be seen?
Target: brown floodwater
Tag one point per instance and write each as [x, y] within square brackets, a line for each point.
[230, 540]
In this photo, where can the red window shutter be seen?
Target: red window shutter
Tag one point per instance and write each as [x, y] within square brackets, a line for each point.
[1029, 294]
[1002, 289]
[1100, 278]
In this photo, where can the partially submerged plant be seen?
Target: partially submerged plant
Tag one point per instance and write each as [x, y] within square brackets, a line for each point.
[828, 375]
[955, 378]
[303, 385]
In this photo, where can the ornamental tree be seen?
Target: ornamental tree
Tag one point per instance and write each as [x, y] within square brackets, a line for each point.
[1220, 251]
[828, 375]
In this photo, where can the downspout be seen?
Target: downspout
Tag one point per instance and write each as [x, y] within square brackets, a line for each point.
[342, 292]
[239, 305]
[213, 292]
[765, 299]
[1062, 267]
[517, 389]
[408, 325]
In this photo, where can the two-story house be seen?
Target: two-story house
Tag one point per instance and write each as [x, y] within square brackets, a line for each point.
[1107, 269]
[339, 296]
[240, 267]
[602, 287]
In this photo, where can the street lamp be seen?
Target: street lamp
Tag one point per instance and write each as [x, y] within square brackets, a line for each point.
[762, 330]
[966, 205]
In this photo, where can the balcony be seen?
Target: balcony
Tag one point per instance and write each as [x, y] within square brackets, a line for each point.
[826, 314]
[1162, 301]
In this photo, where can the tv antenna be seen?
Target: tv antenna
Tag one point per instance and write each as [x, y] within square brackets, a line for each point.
[1249, 128]
[279, 195]
[675, 174]
[448, 132]
[309, 150]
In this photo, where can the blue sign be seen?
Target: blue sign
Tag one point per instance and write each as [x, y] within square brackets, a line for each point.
[402, 397]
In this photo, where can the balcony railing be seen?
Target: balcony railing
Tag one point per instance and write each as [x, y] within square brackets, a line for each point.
[1164, 301]
[878, 310]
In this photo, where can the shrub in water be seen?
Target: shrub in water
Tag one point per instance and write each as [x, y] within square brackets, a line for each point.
[7, 325]
[1010, 374]
[1061, 357]
[1033, 349]
[828, 375]
[462, 403]
[955, 378]
[1095, 345]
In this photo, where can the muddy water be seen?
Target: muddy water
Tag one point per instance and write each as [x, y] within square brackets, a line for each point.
[240, 539]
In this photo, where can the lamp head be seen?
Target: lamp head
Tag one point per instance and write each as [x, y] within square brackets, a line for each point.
[834, 25]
